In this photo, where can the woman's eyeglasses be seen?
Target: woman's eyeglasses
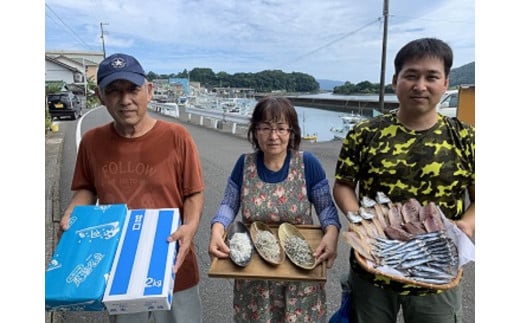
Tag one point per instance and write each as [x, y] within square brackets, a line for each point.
[267, 130]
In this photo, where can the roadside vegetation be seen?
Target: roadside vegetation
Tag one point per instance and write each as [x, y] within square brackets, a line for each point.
[92, 100]
[49, 89]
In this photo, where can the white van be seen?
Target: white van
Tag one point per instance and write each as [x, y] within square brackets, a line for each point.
[449, 103]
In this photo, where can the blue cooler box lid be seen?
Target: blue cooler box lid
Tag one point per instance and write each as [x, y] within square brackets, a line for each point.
[77, 274]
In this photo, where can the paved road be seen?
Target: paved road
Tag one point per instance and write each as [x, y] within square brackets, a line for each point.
[219, 150]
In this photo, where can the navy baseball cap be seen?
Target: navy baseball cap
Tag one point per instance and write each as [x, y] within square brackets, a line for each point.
[120, 67]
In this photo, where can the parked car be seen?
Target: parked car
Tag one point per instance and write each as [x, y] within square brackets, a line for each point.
[449, 103]
[64, 104]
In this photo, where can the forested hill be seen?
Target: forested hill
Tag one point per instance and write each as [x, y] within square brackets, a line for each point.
[464, 74]
[277, 80]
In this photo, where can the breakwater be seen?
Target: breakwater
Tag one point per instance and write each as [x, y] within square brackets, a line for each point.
[363, 105]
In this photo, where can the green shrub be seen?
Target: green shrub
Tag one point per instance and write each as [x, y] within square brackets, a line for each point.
[49, 89]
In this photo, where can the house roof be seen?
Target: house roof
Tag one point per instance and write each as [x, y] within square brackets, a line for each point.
[95, 57]
[64, 65]
[84, 61]
[76, 60]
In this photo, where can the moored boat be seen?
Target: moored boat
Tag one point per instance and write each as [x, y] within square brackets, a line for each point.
[313, 137]
[349, 120]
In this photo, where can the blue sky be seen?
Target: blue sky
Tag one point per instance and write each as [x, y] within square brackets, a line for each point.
[332, 39]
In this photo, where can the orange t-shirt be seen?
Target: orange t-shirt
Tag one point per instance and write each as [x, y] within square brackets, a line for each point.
[156, 170]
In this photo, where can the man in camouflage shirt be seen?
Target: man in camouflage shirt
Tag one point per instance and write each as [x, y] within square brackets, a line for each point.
[413, 152]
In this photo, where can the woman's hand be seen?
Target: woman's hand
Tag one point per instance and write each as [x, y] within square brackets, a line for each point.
[327, 249]
[217, 246]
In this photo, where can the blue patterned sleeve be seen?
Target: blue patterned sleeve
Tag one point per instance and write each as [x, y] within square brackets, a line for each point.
[324, 205]
[229, 206]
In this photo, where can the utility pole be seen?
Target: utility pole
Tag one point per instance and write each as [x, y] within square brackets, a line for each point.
[103, 38]
[85, 82]
[383, 59]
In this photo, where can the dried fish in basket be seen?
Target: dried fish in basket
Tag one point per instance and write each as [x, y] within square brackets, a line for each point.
[266, 243]
[296, 246]
[406, 242]
[369, 267]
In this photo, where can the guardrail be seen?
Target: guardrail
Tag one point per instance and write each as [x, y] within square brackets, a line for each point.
[217, 117]
[169, 109]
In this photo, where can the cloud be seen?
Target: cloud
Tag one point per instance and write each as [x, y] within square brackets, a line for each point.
[334, 39]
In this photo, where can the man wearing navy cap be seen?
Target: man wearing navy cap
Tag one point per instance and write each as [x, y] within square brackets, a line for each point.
[144, 163]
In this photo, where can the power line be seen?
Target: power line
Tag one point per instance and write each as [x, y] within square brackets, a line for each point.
[67, 26]
[334, 41]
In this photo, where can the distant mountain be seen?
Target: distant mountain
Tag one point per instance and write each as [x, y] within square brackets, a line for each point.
[328, 85]
[464, 74]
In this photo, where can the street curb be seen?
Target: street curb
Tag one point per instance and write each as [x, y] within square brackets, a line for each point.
[53, 154]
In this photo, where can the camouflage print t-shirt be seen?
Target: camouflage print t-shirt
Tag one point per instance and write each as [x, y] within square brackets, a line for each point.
[435, 165]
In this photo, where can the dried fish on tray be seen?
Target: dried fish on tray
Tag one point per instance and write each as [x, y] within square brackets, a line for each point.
[406, 242]
[266, 243]
[296, 247]
[239, 242]
[258, 268]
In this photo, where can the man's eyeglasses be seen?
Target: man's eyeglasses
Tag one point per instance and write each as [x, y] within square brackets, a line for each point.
[280, 130]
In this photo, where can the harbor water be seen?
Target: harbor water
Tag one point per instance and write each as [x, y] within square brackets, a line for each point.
[318, 122]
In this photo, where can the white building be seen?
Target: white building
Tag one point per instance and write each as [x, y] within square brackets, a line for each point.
[72, 67]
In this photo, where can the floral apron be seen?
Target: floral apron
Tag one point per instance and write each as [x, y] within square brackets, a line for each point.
[274, 203]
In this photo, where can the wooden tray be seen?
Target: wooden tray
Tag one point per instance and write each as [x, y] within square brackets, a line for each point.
[259, 269]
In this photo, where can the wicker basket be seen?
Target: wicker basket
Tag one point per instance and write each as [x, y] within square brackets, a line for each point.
[454, 282]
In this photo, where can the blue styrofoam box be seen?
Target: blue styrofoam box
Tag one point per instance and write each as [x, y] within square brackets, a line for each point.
[77, 274]
[142, 277]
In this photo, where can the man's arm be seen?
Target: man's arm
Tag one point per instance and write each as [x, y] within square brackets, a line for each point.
[193, 206]
[345, 196]
[467, 222]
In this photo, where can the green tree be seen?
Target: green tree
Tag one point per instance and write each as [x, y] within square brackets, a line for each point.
[264, 81]
[364, 87]
[223, 79]
[152, 76]
[347, 88]
[204, 75]
[389, 89]
[183, 75]
[90, 98]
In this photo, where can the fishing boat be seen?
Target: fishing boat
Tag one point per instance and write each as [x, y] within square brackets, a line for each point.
[312, 138]
[306, 136]
[339, 133]
[348, 121]
[351, 119]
